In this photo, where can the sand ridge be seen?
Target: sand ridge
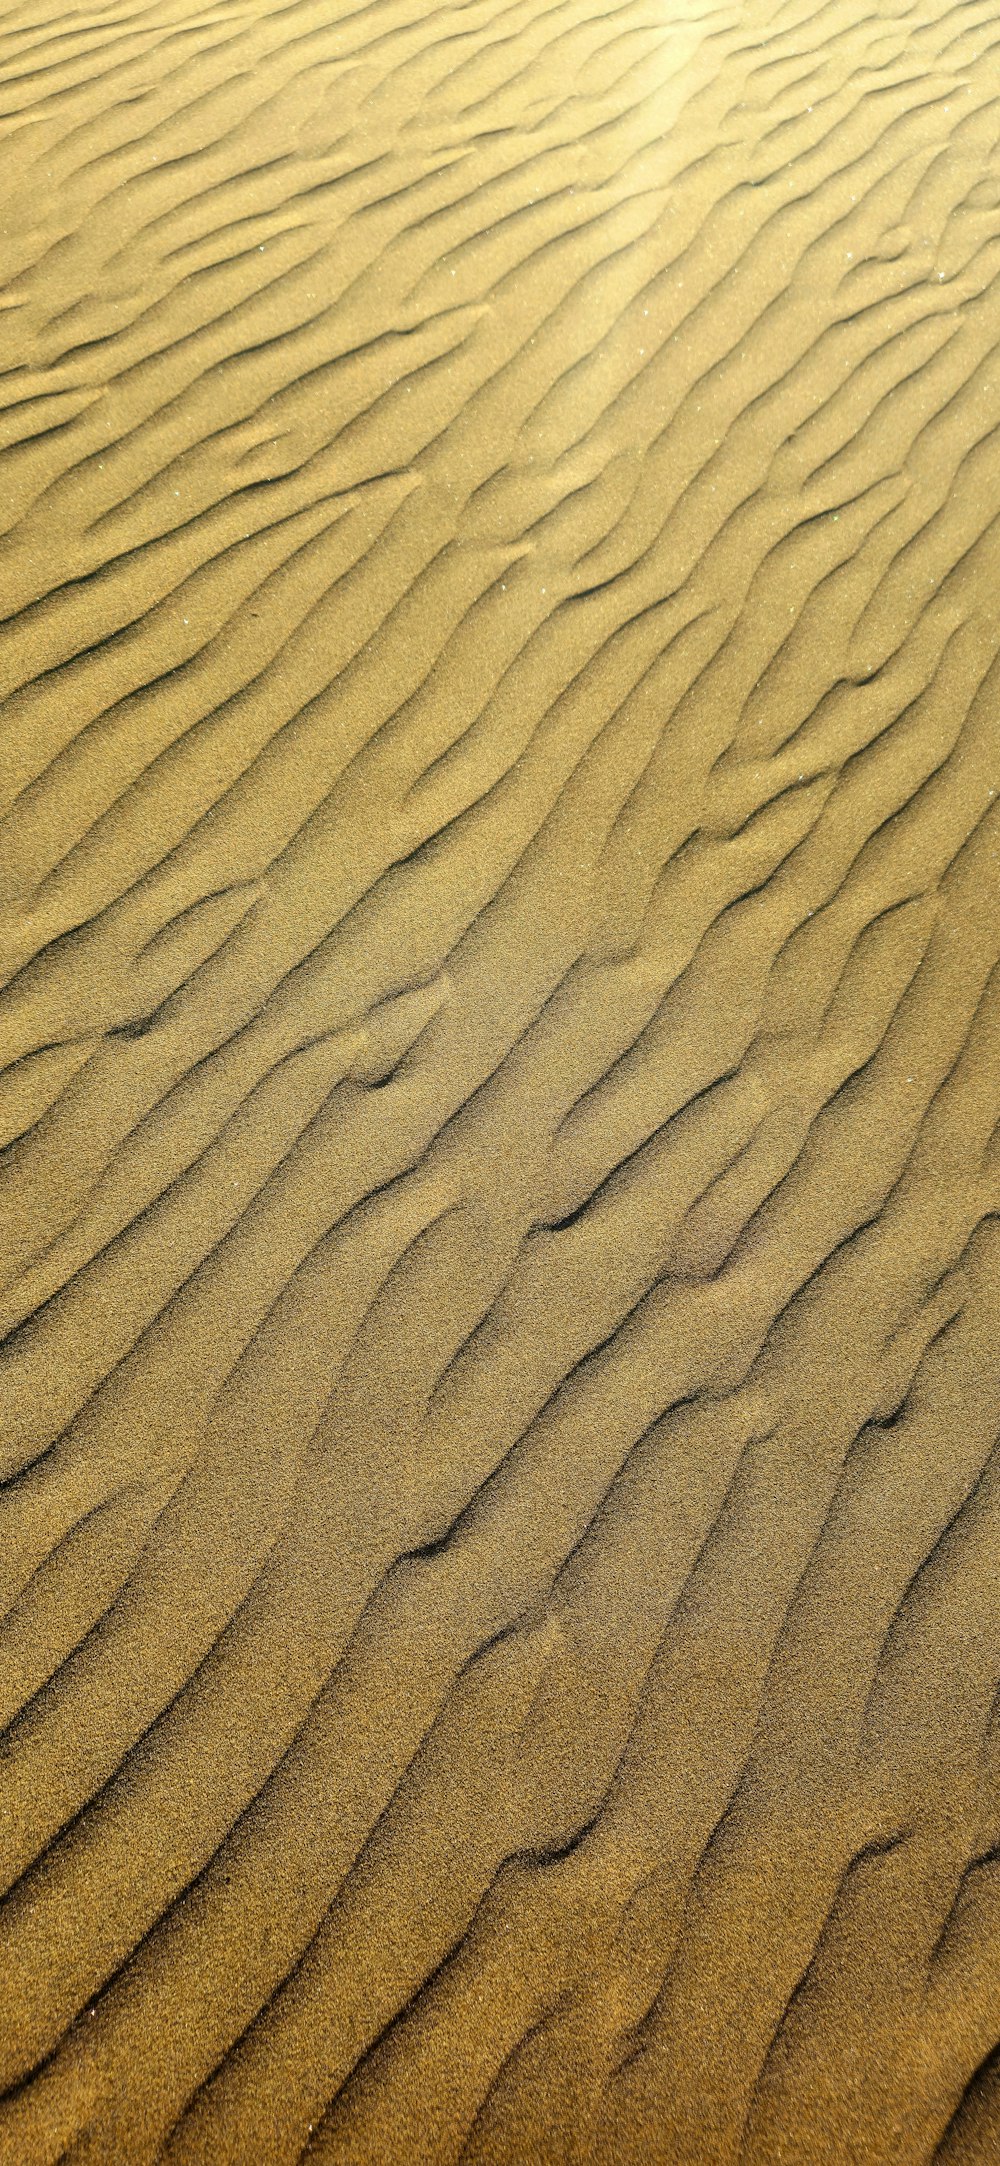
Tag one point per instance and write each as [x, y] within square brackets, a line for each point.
[499, 927]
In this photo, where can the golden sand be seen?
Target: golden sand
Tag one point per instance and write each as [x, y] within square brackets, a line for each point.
[499, 1030]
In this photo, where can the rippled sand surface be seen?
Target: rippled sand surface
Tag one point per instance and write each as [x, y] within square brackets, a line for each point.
[499, 1028]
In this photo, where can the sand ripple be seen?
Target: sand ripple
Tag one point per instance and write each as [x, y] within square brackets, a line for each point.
[499, 1083]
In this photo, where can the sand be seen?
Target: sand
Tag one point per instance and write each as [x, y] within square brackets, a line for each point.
[499, 1030]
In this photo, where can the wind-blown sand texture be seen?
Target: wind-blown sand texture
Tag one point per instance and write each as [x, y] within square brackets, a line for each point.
[500, 1374]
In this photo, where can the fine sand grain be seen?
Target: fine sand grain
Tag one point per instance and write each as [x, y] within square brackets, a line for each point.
[499, 1083]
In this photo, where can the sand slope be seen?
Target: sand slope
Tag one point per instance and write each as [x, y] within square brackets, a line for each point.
[499, 916]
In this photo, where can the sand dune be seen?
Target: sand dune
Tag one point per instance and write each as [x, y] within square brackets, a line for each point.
[499, 914]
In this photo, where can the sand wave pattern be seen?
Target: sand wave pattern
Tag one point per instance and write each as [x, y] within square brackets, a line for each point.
[500, 1044]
